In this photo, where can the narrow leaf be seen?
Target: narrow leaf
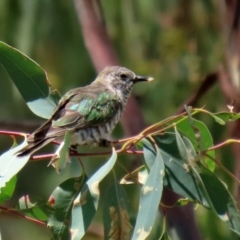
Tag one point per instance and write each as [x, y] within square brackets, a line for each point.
[200, 137]
[177, 175]
[86, 203]
[220, 199]
[7, 191]
[182, 148]
[30, 79]
[10, 164]
[218, 119]
[116, 213]
[150, 197]
[235, 117]
[61, 201]
[164, 235]
[225, 116]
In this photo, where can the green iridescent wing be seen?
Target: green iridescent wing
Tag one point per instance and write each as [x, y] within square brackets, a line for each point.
[86, 109]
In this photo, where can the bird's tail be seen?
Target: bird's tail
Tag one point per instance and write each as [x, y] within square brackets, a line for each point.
[34, 146]
[37, 140]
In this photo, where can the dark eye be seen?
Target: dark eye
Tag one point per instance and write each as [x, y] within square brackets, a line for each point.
[123, 76]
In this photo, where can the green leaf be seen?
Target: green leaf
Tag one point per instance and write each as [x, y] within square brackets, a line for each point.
[86, 203]
[38, 211]
[150, 197]
[200, 138]
[61, 201]
[183, 151]
[61, 157]
[177, 175]
[220, 199]
[11, 164]
[225, 116]
[7, 191]
[164, 235]
[116, 213]
[183, 202]
[235, 117]
[31, 81]
[218, 119]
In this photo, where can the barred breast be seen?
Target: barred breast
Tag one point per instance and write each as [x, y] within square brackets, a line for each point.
[93, 135]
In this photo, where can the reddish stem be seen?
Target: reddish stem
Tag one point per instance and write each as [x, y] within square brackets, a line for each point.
[15, 213]
[13, 133]
[49, 156]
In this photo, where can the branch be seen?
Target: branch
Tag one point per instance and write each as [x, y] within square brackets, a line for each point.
[16, 213]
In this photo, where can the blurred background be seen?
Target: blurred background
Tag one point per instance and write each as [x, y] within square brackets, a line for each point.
[190, 47]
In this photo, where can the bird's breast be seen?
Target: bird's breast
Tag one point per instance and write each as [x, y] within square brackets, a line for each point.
[91, 135]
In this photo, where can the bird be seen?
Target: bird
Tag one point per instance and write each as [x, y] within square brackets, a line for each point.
[88, 113]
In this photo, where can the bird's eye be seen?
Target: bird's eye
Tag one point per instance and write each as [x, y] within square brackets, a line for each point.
[123, 76]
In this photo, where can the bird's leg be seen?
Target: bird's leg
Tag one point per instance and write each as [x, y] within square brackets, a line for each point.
[104, 143]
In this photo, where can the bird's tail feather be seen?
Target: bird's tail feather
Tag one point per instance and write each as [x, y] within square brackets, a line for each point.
[34, 146]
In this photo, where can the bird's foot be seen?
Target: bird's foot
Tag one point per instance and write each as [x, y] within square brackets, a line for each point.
[104, 143]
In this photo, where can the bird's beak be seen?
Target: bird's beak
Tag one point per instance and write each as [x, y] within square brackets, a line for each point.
[142, 79]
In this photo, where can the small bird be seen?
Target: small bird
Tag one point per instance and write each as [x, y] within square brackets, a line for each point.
[88, 113]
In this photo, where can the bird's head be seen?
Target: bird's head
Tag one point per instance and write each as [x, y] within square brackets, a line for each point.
[120, 78]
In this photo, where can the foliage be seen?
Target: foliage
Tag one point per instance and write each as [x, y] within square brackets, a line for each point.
[178, 153]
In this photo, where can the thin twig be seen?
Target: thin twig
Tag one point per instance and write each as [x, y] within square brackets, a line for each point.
[96, 154]
[16, 213]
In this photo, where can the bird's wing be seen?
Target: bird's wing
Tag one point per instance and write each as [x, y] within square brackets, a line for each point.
[79, 108]
[86, 109]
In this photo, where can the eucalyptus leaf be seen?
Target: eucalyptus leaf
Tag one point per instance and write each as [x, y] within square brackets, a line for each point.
[86, 203]
[221, 199]
[116, 212]
[31, 81]
[200, 137]
[150, 197]
[7, 191]
[38, 211]
[177, 175]
[11, 164]
[182, 148]
[218, 119]
[61, 201]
